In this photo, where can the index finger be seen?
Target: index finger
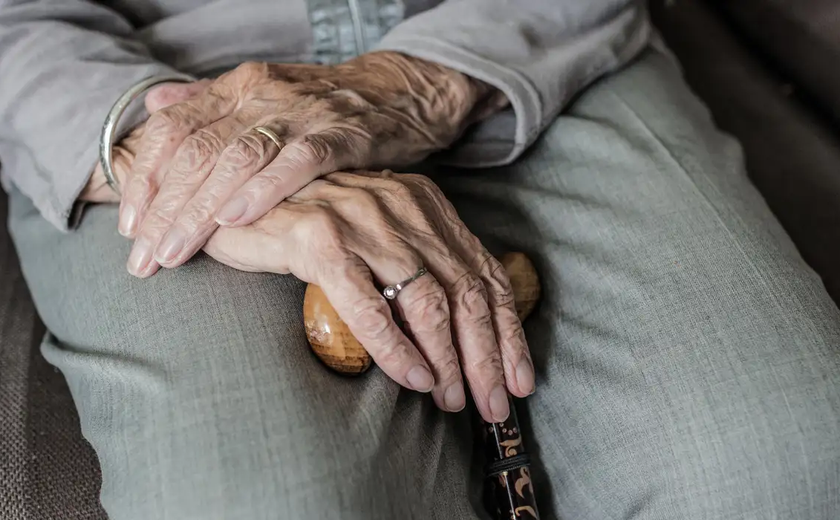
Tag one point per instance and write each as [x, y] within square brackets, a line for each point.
[164, 133]
[368, 315]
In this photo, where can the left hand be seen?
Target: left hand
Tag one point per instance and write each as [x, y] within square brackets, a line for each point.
[200, 162]
[350, 232]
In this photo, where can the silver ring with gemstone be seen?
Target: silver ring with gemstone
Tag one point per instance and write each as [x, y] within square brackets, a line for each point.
[392, 291]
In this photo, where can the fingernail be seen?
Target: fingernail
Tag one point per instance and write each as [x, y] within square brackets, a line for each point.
[139, 258]
[499, 406]
[171, 245]
[420, 379]
[525, 376]
[232, 211]
[127, 221]
[454, 397]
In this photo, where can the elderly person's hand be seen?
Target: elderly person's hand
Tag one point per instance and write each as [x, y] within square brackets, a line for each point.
[348, 232]
[201, 162]
[124, 152]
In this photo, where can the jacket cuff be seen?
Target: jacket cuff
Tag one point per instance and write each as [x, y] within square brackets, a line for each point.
[501, 138]
[66, 207]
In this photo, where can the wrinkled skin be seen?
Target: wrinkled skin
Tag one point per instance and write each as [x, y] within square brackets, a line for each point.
[348, 232]
[124, 152]
[200, 163]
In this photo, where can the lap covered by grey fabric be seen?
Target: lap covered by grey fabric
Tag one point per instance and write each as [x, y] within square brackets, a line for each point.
[686, 354]
[792, 152]
[46, 469]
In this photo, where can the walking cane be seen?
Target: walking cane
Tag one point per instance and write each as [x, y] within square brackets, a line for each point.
[508, 492]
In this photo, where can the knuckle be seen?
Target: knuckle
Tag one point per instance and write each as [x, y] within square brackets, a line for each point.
[244, 151]
[292, 87]
[159, 94]
[321, 226]
[163, 122]
[271, 183]
[326, 106]
[471, 295]
[393, 353]
[432, 312]
[396, 189]
[511, 334]
[353, 140]
[217, 193]
[196, 150]
[398, 194]
[312, 151]
[446, 365]
[346, 97]
[222, 91]
[140, 184]
[207, 140]
[199, 213]
[362, 199]
[158, 219]
[223, 177]
[489, 363]
[323, 222]
[501, 290]
[372, 317]
[251, 70]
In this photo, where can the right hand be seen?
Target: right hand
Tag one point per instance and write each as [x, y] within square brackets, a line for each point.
[202, 163]
[348, 231]
[123, 153]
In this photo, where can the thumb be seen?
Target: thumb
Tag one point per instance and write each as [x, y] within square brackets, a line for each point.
[236, 248]
[165, 94]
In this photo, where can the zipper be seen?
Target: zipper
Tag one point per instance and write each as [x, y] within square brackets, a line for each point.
[358, 29]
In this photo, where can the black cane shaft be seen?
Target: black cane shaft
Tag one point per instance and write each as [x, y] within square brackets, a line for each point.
[509, 492]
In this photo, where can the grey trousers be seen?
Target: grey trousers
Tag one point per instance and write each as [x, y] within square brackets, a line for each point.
[688, 359]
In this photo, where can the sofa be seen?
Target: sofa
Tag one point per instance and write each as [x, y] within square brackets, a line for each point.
[767, 69]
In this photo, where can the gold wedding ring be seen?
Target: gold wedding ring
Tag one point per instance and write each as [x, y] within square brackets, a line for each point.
[268, 132]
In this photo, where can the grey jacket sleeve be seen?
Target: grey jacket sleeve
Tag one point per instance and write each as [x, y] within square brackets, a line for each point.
[62, 64]
[539, 53]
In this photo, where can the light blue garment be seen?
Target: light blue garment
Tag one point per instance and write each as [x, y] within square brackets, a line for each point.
[688, 360]
[64, 63]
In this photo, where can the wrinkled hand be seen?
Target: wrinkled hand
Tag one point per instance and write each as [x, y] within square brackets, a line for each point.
[124, 152]
[345, 231]
[97, 189]
[200, 163]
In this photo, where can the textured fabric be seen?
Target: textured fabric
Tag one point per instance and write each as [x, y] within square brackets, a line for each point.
[365, 22]
[687, 357]
[540, 57]
[791, 157]
[792, 151]
[46, 470]
[802, 37]
[64, 63]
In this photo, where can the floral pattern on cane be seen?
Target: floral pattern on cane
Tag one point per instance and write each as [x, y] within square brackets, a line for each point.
[522, 481]
[510, 446]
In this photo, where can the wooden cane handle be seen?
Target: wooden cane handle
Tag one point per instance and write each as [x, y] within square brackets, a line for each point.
[335, 345]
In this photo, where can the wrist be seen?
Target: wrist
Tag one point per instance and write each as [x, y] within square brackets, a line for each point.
[444, 98]
[97, 188]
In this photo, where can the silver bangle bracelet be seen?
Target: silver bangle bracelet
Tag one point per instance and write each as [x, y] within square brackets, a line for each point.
[109, 127]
